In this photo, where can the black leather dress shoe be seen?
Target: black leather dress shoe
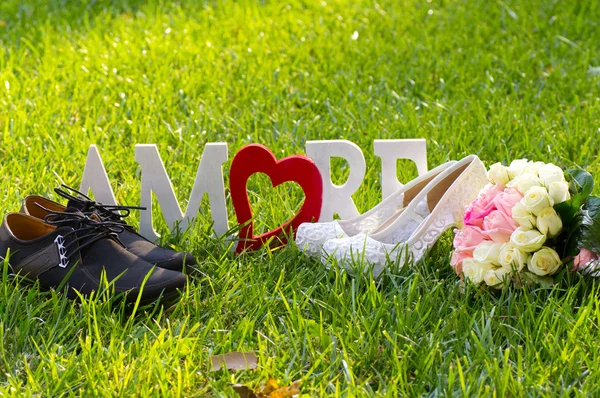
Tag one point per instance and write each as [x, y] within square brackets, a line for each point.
[78, 250]
[134, 242]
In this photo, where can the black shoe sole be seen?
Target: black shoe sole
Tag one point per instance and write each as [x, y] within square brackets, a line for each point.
[130, 297]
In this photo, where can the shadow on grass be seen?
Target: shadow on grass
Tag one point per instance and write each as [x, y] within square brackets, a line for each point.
[20, 18]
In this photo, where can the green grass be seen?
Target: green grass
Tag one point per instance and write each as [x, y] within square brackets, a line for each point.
[501, 79]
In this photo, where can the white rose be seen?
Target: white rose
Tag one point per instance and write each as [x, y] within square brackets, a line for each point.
[474, 270]
[487, 252]
[533, 167]
[525, 182]
[517, 167]
[498, 174]
[495, 277]
[549, 222]
[559, 191]
[544, 262]
[527, 240]
[550, 173]
[522, 216]
[511, 257]
[536, 199]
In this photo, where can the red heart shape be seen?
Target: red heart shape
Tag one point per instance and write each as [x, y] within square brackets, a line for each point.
[256, 158]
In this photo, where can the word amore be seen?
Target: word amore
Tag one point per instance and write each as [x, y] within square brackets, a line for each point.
[209, 180]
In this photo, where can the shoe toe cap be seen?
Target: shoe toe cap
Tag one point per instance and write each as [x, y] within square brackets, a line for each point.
[357, 248]
[177, 261]
[310, 237]
[163, 282]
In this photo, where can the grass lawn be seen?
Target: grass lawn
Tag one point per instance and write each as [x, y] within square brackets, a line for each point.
[501, 79]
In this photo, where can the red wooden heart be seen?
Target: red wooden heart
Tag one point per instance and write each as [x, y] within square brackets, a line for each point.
[256, 158]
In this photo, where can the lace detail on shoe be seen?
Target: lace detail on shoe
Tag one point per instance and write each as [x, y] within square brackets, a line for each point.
[374, 220]
[362, 247]
[311, 236]
[461, 194]
[114, 213]
[85, 232]
[404, 231]
[62, 251]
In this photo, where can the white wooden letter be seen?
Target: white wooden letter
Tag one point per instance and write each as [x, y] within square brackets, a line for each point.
[338, 198]
[391, 150]
[209, 179]
[95, 178]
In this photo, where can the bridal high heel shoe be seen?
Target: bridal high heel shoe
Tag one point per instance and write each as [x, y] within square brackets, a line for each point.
[409, 233]
[310, 237]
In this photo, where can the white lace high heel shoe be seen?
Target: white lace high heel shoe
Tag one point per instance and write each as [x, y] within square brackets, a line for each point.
[310, 237]
[414, 230]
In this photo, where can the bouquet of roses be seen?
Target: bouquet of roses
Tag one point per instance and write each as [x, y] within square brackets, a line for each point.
[531, 222]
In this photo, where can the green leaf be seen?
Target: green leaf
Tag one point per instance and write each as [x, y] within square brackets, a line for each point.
[581, 186]
[572, 246]
[589, 236]
[568, 241]
[578, 228]
[569, 209]
[582, 183]
[592, 208]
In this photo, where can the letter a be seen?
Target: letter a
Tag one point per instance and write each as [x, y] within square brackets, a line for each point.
[95, 178]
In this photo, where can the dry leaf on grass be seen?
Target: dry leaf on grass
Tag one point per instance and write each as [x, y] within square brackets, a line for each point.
[234, 361]
[270, 390]
[288, 391]
[271, 386]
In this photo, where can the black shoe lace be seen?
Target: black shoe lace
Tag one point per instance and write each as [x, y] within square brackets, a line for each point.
[114, 213]
[86, 230]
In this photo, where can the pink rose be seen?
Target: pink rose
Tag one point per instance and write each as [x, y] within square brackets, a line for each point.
[506, 200]
[482, 206]
[498, 226]
[467, 239]
[457, 260]
[584, 257]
